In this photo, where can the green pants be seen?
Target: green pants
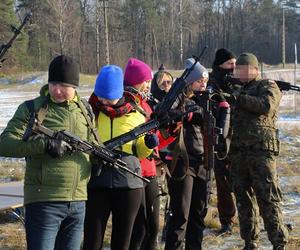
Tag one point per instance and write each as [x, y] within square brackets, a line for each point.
[255, 184]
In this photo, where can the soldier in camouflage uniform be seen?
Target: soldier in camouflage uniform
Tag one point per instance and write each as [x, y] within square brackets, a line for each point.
[253, 152]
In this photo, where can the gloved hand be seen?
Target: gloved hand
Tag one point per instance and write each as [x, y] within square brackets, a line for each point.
[218, 97]
[157, 115]
[57, 148]
[231, 98]
[151, 140]
[175, 115]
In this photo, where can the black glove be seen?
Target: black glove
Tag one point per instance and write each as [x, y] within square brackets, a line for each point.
[57, 148]
[175, 115]
[158, 115]
[151, 140]
[218, 98]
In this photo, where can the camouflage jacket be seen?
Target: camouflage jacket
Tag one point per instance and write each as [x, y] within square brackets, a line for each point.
[255, 116]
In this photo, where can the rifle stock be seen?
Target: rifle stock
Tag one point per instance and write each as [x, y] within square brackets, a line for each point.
[110, 158]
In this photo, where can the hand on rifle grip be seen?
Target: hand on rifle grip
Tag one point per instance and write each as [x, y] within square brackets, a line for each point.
[157, 115]
[175, 115]
[57, 148]
[218, 97]
[151, 140]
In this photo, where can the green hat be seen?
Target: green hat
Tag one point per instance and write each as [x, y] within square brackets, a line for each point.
[247, 59]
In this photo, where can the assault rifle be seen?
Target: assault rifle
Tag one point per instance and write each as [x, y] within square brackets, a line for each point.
[177, 87]
[286, 86]
[210, 135]
[147, 127]
[110, 159]
[283, 86]
[16, 31]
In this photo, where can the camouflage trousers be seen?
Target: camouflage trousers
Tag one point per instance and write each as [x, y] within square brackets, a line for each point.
[255, 185]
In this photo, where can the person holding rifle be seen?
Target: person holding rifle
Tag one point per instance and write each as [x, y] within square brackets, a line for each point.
[223, 65]
[112, 190]
[55, 181]
[137, 80]
[187, 186]
[253, 151]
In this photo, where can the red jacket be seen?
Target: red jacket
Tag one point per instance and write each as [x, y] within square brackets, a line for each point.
[148, 165]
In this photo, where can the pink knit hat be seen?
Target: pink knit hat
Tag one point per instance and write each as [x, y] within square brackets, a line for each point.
[136, 72]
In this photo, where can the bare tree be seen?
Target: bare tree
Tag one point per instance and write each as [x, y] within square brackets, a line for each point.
[64, 21]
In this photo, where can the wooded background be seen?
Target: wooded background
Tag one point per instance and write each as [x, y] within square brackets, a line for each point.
[97, 32]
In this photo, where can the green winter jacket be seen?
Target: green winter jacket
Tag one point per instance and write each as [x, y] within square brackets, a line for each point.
[47, 178]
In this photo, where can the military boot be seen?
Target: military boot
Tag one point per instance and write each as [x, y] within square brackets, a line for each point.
[251, 246]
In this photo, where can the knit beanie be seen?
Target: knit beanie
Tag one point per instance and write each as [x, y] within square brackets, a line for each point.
[136, 72]
[223, 55]
[64, 70]
[247, 59]
[109, 83]
[197, 73]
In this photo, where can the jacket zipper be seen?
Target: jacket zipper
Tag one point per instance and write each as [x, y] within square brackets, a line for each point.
[75, 182]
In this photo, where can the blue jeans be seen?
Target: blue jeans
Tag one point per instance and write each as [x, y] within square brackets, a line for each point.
[54, 225]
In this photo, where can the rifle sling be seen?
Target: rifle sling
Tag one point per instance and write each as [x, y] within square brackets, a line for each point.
[180, 149]
[93, 129]
[37, 117]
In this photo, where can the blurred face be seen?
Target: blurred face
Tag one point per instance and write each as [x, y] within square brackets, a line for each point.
[108, 102]
[144, 87]
[165, 83]
[199, 85]
[229, 64]
[61, 93]
[246, 73]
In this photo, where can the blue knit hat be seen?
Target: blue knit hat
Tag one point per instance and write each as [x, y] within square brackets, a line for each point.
[109, 83]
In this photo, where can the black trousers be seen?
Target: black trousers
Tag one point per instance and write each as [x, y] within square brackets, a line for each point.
[225, 203]
[146, 226]
[187, 201]
[123, 204]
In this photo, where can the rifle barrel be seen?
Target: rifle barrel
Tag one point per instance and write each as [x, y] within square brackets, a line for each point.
[16, 31]
[295, 88]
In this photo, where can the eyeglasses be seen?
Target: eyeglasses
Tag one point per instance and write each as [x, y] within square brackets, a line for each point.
[166, 82]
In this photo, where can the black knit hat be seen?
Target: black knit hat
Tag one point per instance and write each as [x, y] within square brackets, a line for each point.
[64, 70]
[223, 55]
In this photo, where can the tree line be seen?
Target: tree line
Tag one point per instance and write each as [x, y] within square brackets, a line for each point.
[97, 32]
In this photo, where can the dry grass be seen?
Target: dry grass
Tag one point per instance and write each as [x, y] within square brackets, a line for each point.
[12, 170]
[12, 233]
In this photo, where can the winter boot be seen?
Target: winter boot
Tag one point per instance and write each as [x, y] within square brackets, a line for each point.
[251, 246]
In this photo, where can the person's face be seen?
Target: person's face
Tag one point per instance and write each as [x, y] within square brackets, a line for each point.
[61, 93]
[165, 83]
[199, 85]
[108, 102]
[144, 87]
[229, 64]
[246, 73]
